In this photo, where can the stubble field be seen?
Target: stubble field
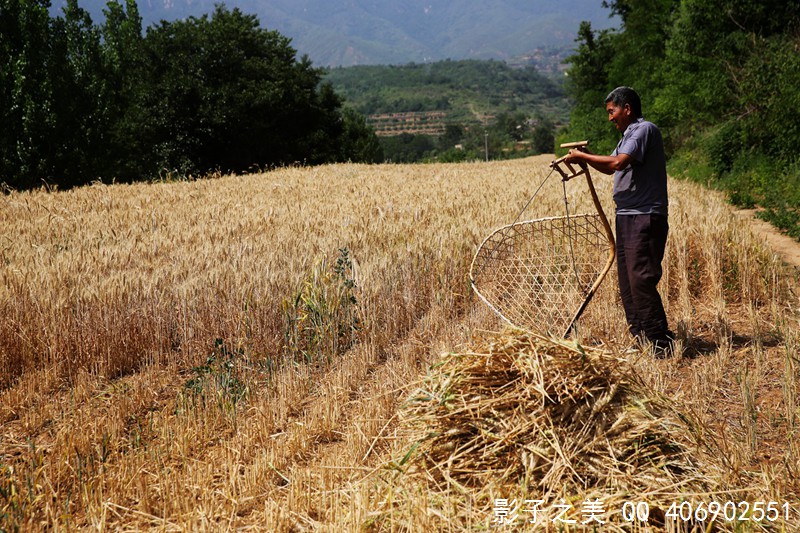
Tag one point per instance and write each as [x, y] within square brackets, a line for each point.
[238, 353]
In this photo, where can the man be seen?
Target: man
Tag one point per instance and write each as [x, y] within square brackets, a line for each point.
[640, 194]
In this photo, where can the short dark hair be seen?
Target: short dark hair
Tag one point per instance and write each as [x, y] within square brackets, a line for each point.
[625, 95]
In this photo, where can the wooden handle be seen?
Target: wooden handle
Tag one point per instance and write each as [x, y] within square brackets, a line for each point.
[612, 249]
[572, 173]
[577, 144]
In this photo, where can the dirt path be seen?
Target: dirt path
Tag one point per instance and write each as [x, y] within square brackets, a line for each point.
[786, 247]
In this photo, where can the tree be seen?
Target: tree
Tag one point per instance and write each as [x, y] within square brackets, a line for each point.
[714, 47]
[588, 83]
[407, 148]
[453, 135]
[225, 93]
[125, 74]
[510, 127]
[25, 92]
[358, 140]
[79, 101]
[544, 138]
[55, 101]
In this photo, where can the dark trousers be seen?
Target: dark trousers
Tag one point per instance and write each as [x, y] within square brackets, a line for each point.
[641, 240]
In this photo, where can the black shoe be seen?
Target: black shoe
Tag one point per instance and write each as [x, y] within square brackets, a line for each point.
[663, 348]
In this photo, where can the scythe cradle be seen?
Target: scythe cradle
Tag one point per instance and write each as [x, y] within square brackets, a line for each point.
[528, 272]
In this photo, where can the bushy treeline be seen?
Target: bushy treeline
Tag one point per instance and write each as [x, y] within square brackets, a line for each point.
[82, 102]
[489, 106]
[463, 88]
[721, 78]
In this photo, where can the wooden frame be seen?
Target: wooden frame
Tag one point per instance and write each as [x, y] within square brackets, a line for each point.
[523, 271]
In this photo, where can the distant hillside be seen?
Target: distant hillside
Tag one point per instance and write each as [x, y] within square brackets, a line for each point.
[368, 32]
[463, 92]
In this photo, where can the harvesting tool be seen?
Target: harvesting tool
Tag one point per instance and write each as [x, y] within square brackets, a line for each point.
[540, 275]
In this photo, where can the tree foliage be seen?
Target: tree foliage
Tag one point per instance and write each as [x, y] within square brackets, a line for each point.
[84, 102]
[514, 110]
[463, 89]
[720, 77]
[26, 111]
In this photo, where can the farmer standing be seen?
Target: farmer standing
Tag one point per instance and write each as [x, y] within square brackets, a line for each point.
[640, 194]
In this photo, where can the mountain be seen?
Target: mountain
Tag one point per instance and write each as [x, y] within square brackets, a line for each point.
[361, 32]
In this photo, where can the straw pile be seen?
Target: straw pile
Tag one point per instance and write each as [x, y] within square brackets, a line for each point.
[555, 418]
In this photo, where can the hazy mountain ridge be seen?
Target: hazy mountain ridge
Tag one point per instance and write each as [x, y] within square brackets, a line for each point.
[390, 32]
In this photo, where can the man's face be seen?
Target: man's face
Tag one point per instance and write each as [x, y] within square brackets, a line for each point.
[622, 117]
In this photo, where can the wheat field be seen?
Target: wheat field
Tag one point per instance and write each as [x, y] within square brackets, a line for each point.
[237, 353]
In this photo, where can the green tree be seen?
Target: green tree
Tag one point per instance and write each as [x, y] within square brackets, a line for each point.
[640, 46]
[358, 140]
[588, 84]
[225, 93]
[510, 127]
[26, 92]
[125, 75]
[709, 53]
[721, 79]
[79, 101]
[453, 135]
[544, 138]
[407, 148]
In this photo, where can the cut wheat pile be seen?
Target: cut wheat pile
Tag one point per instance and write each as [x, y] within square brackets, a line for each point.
[552, 411]
[524, 413]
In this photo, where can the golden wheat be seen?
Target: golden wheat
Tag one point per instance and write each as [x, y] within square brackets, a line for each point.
[232, 353]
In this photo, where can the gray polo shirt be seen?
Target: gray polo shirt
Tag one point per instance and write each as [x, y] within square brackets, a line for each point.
[641, 188]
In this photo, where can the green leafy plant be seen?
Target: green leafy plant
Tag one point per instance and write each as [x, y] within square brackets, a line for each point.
[219, 378]
[323, 318]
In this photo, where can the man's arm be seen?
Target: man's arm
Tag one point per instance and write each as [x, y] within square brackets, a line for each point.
[607, 164]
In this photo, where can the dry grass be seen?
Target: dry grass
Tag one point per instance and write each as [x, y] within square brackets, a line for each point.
[555, 420]
[233, 353]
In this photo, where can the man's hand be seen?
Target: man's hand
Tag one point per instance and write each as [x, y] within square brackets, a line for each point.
[607, 164]
[575, 155]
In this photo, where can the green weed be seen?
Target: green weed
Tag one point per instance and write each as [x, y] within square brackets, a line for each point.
[323, 318]
[221, 378]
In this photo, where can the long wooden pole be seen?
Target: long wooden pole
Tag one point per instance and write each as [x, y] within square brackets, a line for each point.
[566, 175]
